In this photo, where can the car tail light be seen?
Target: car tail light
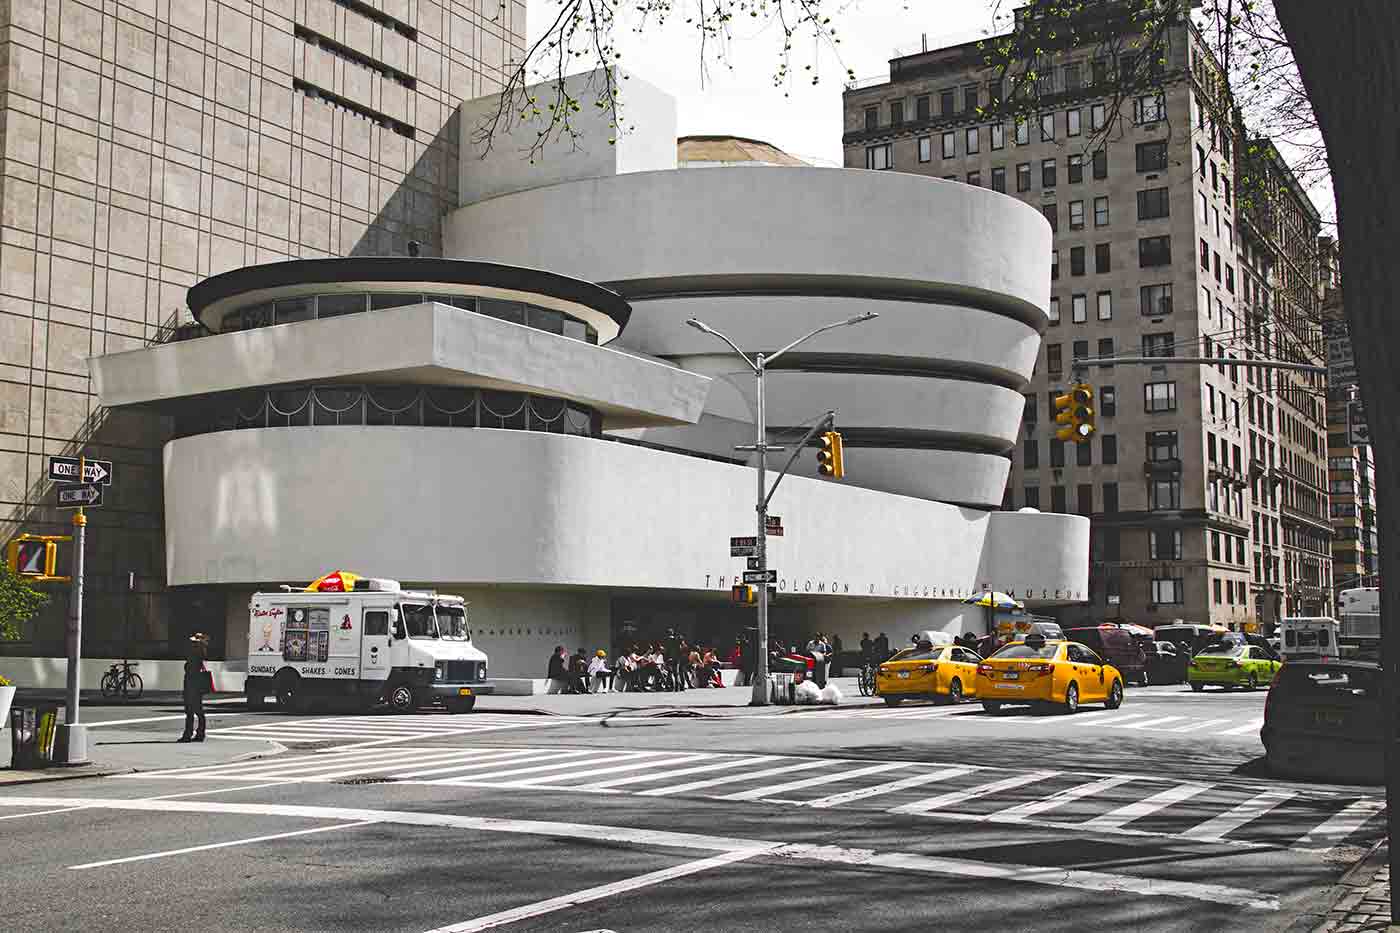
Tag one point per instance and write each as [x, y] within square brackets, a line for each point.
[985, 669]
[1039, 668]
[930, 667]
[1192, 663]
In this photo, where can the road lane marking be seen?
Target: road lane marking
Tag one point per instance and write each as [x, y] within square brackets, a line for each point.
[1151, 723]
[771, 789]
[408, 757]
[1342, 824]
[1035, 807]
[1253, 725]
[958, 796]
[1116, 819]
[891, 787]
[644, 760]
[1103, 719]
[1221, 825]
[1198, 726]
[601, 891]
[145, 719]
[652, 838]
[464, 762]
[558, 762]
[216, 845]
[682, 772]
[20, 816]
[788, 768]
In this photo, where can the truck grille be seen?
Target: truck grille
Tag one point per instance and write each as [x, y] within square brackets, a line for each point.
[463, 671]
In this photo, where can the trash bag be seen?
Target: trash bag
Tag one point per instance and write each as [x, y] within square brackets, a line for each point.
[831, 695]
[808, 693]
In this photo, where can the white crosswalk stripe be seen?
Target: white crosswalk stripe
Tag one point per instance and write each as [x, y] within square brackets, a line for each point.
[1131, 805]
[388, 728]
[1156, 718]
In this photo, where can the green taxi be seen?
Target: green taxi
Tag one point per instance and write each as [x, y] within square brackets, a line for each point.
[1232, 665]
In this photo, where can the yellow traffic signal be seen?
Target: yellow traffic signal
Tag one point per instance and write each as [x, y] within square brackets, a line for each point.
[831, 459]
[743, 594]
[1074, 411]
[32, 556]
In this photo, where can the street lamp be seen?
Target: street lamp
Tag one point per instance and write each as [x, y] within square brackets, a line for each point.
[759, 365]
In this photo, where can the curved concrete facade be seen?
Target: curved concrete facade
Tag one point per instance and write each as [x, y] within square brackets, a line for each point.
[928, 394]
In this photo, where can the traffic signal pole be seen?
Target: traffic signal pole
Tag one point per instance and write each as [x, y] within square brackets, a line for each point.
[70, 739]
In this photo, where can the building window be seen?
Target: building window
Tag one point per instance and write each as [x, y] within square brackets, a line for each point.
[1110, 499]
[1101, 212]
[1054, 264]
[1205, 255]
[1108, 401]
[1047, 173]
[1164, 494]
[1216, 257]
[1216, 584]
[1156, 300]
[1152, 157]
[1057, 499]
[925, 149]
[1057, 453]
[1105, 300]
[1205, 209]
[1047, 127]
[1159, 396]
[1230, 279]
[1028, 416]
[1102, 253]
[878, 157]
[973, 144]
[1053, 362]
[1031, 450]
[1164, 544]
[896, 112]
[998, 132]
[1054, 312]
[1100, 163]
[1097, 116]
[974, 178]
[969, 98]
[1023, 132]
[1076, 215]
[1052, 214]
[1085, 493]
[1081, 349]
[1168, 591]
[923, 108]
[1158, 345]
[1023, 176]
[1149, 108]
[1076, 169]
[1226, 182]
[1076, 260]
[1110, 448]
[1161, 445]
[950, 144]
[999, 179]
[1031, 496]
[945, 102]
[1214, 178]
[1154, 251]
[1072, 121]
[872, 118]
[1105, 346]
[1153, 203]
[1079, 309]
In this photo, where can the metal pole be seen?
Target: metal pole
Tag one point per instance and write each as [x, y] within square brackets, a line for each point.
[760, 663]
[70, 745]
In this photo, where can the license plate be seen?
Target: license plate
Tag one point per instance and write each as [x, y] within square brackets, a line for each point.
[1329, 719]
[1010, 686]
[903, 675]
[1011, 675]
[464, 691]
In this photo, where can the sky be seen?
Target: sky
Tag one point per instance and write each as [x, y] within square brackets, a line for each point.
[743, 101]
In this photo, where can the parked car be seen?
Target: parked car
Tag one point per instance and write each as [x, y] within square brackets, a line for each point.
[1323, 719]
[1166, 664]
[1117, 647]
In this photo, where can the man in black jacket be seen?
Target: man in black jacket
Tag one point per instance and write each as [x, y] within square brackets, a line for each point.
[558, 673]
[195, 682]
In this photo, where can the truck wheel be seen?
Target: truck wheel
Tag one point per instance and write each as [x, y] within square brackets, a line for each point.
[461, 705]
[1197, 687]
[288, 686]
[401, 699]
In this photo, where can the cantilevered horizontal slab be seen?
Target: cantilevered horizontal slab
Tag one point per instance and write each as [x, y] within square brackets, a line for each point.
[427, 344]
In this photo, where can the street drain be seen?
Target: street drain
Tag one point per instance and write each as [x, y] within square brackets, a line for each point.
[372, 779]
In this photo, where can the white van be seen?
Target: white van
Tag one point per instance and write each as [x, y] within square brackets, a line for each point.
[1313, 637]
[376, 643]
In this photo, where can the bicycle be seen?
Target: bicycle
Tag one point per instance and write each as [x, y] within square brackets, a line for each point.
[865, 680]
[120, 678]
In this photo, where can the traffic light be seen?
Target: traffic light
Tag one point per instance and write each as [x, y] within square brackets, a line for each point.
[32, 557]
[1074, 411]
[743, 594]
[830, 458]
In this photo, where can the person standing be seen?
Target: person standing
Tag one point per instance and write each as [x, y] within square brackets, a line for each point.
[195, 685]
[882, 648]
[818, 650]
[557, 672]
[867, 648]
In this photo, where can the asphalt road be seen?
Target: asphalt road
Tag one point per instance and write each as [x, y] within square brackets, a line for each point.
[1157, 816]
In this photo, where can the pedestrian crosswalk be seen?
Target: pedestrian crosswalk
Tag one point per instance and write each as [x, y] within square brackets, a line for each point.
[366, 731]
[1225, 813]
[1153, 719]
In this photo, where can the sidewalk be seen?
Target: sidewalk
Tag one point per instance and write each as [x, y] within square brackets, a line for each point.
[724, 701]
[1364, 901]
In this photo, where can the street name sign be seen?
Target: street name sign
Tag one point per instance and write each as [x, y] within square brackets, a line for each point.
[761, 576]
[753, 563]
[1358, 431]
[774, 526]
[1341, 361]
[743, 546]
[65, 470]
[79, 495]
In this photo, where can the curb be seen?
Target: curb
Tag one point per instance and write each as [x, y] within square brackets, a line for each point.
[1357, 876]
[65, 776]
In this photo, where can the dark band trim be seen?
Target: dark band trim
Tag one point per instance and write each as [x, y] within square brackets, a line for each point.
[915, 439]
[875, 288]
[875, 364]
[394, 269]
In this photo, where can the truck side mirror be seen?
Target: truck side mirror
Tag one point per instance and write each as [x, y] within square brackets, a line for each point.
[398, 630]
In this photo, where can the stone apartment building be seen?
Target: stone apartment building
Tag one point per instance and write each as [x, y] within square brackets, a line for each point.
[147, 145]
[1147, 262]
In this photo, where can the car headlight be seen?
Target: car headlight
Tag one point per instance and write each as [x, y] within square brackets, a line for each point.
[439, 671]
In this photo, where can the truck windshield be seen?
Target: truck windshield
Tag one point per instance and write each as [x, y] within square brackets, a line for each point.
[419, 621]
[452, 620]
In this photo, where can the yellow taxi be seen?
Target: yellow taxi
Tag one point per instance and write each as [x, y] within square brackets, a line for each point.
[945, 673]
[1049, 674]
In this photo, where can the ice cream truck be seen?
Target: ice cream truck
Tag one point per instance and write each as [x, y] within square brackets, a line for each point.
[363, 640]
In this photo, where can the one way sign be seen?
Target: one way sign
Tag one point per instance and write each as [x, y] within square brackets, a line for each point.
[65, 469]
[79, 495]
